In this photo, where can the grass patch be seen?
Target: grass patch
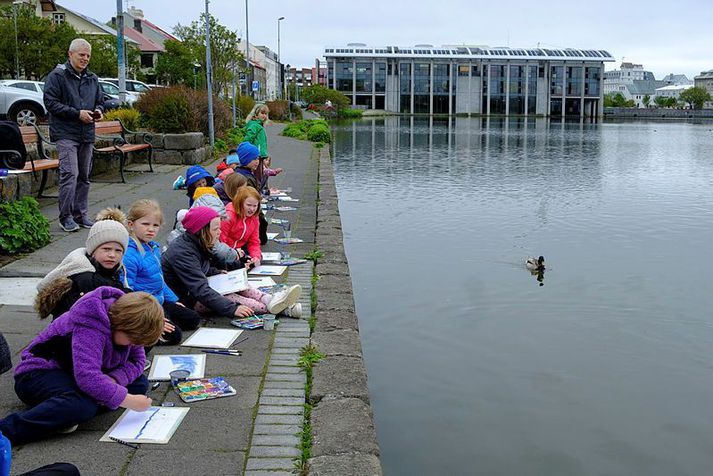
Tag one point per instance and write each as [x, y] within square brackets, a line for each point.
[315, 130]
[305, 441]
[314, 255]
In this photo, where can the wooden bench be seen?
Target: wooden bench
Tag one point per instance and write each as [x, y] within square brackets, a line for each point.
[32, 135]
[120, 148]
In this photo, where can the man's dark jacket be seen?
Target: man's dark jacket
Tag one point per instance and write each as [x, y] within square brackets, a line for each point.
[66, 93]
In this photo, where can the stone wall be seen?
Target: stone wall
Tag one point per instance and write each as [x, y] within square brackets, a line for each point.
[657, 113]
[180, 149]
[343, 433]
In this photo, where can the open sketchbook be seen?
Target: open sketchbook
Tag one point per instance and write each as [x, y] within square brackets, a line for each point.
[155, 425]
[231, 282]
[267, 270]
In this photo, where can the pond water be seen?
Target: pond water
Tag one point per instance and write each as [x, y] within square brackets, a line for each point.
[605, 365]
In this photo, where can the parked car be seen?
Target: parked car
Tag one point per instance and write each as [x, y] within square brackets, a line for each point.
[136, 88]
[111, 95]
[21, 101]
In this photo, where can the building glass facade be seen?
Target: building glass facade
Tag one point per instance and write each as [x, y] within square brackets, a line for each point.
[470, 80]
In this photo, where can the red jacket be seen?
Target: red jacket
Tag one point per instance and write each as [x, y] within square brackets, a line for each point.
[239, 232]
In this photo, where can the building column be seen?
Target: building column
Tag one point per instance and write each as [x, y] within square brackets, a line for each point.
[507, 88]
[564, 90]
[430, 89]
[413, 74]
[450, 89]
[353, 82]
[581, 91]
[527, 87]
[373, 84]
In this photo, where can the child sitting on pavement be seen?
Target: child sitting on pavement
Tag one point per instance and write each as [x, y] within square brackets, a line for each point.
[85, 269]
[197, 176]
[187, 265]
[142, 263]
[88, 360]
[241, 230]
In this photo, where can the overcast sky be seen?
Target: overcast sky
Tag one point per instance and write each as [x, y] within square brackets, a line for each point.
[665, 37]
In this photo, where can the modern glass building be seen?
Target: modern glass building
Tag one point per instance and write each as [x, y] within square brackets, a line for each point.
[424, 79]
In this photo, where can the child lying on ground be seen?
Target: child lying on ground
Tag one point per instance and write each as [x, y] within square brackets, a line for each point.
[87, 361]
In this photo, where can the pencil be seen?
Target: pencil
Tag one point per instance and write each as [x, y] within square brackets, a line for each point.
[130, 445]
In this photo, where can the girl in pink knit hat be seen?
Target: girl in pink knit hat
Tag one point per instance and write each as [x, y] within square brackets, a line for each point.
[187, 265]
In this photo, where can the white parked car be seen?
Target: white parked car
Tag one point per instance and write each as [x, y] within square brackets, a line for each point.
[133, 88]
[21, 101]
[111, 90]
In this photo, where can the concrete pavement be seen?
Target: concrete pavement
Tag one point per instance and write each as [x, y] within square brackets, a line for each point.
[253, 430]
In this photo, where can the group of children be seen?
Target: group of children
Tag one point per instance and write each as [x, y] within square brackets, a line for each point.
[118, 296]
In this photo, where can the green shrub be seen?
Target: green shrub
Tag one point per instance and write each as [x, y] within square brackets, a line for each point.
[23, 228]
[220, 146]
[179, 109]
[235, 136]
[131, 118]
[350, 113]
[245, 104]
[319, 133]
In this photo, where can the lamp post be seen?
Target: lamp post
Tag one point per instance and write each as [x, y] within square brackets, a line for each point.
[209, 76]
[249, 75]
[120, 49]
[235, 115]
[17, 47]
[279, 66]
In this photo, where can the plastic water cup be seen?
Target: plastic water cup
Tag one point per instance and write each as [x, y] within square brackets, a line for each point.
[288, 230]
[268, 323]
[178, 376]
[285, 254]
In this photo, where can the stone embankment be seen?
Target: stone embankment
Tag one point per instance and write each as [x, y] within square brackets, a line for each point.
[343, 433]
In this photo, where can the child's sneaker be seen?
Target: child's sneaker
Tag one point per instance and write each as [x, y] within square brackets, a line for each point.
[284, 299]
[69, 429]
[294, 310]
[179, 183]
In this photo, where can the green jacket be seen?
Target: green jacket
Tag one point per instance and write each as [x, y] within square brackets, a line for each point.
[255, 134]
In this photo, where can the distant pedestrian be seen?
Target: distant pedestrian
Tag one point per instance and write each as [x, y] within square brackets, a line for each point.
[74, 100]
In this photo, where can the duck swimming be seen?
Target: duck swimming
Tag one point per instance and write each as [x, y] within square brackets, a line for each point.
[535, 264]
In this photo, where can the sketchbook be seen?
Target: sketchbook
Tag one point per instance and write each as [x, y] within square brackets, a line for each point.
[163, 365]
[271, 256]
[204, 389]
[288, 199]
[270, 236]
[155, 425]
[268, 270]
[212, 338]
[231, 282]
[260, 281]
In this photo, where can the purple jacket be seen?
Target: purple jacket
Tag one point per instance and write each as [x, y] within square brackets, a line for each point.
[80, 341]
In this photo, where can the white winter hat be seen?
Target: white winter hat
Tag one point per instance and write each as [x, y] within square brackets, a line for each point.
[105, 231]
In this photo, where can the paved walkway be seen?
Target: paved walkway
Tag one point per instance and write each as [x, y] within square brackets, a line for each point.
[253, 433]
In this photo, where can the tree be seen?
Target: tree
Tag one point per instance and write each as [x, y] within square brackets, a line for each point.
[41, 43]
[646, 100]
[617, 100]
[660, 101]
[695, 97]
[223, 49]
[175, 65]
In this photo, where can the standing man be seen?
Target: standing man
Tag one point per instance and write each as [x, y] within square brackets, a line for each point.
[74, 101]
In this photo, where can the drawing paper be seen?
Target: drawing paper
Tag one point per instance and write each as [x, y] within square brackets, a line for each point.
[268, 270]
[155, 425]
[271, 235]
[231, 282]
[212, 338]
[163, 365]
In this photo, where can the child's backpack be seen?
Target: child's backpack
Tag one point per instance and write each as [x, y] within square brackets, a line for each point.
[13, 153]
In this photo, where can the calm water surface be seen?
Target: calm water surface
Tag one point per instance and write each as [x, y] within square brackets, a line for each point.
[474, 368]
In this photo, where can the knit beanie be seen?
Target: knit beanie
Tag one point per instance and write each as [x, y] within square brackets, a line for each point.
[105, 231]
[195, 173]
[200, 191]
[224, 174]
[247, 153]
[197, 218]
[232, 159]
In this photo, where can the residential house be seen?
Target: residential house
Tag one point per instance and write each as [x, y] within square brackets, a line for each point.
[705, 81]
[677, 80]
[672, 90]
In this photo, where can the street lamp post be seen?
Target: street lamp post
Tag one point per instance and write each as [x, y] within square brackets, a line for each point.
[249, 75]
[17, 47]
[279, 65]
[120, 50]
[235, 115]
[209, 76]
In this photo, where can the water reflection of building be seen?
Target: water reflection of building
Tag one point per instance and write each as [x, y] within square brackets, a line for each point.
[470, 80]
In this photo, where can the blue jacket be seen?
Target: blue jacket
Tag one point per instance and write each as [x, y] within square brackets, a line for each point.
[65, 94]
[143, 271]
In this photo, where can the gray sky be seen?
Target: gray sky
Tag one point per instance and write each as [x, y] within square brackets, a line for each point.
[665, 37]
